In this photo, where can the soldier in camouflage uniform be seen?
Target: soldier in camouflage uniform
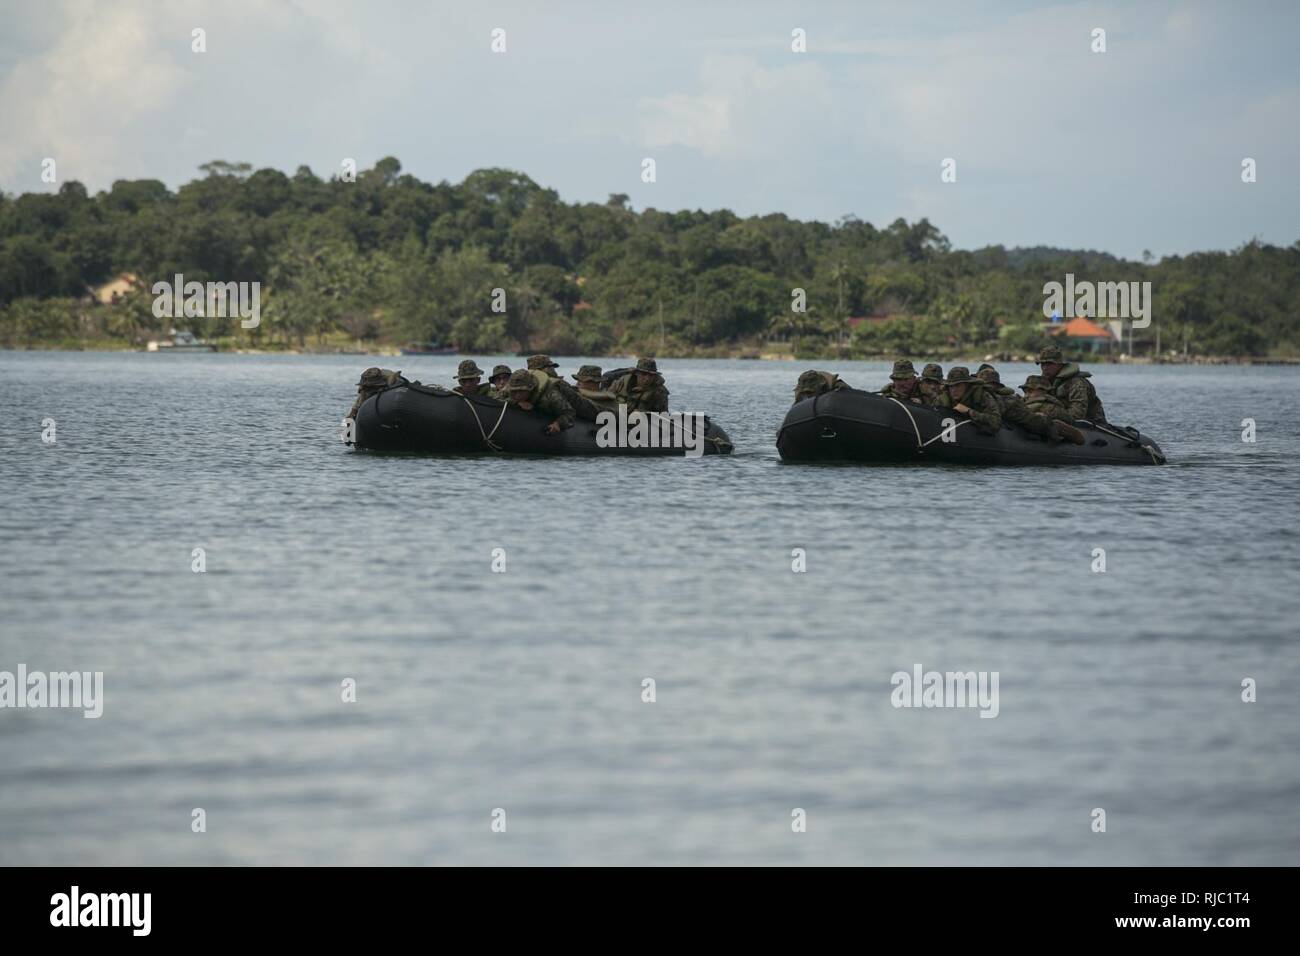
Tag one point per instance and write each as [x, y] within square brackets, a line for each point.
[1040, 401]
[470, 377]
[966, 394]
[500, 375]
[1070, 384]
[373, 381]
[643, 389]
[903, 383]
[533, 390]
[588, 399]
[930, 385]
[543, 363]
[813, 383]
[1014, 409]
[583, 408]
[993, 382]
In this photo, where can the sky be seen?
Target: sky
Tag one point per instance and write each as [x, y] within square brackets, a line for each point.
[1136, 148]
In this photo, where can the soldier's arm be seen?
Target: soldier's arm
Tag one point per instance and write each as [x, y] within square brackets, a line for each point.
[1077, 398]
[988, 417]
[582, 408]
[558, 407]
[1017, 412]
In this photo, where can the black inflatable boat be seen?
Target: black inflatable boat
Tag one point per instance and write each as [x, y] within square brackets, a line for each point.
[851, 425]
[420, 418]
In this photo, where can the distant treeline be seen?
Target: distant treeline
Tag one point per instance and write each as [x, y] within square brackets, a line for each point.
[388, 258]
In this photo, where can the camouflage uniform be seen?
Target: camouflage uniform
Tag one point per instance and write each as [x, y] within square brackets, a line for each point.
[1070, 384]
[1042, 402]
[930, 387]
[588, 402]
[652, 398]
[373, 381]
[903, 371]
[545, 398]
[985, 411]
[468, 369]
[582, 407]
[543, 363]
[813, 383]
[493, 390]
[1014, 409]
[1017, 412]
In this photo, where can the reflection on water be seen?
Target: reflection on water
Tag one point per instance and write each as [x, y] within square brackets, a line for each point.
[523, 690]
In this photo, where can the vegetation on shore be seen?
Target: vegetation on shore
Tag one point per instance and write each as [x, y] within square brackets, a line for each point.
[387, 259]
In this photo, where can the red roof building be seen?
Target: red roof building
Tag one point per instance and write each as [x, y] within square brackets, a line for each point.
[1084, 333]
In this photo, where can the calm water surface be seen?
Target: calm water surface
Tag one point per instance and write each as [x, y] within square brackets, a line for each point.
[522, 690]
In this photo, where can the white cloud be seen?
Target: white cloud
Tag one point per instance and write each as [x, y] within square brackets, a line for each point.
[79, 100]
[740, 106]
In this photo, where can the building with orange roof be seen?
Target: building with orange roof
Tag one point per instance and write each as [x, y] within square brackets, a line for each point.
[1085, 334]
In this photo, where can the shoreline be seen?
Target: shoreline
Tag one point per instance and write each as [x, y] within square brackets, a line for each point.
[738, 354]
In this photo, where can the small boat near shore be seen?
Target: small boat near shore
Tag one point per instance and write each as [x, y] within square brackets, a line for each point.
[852, 425]
[420, 418]
[427, 348]
[179, 342]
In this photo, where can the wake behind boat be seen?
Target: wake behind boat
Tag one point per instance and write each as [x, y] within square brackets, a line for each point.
[852, 425]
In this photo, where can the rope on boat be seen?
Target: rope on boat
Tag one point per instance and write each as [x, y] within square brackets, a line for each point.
[948, 431]
[680, 428]
[487, 436]
[916, 428]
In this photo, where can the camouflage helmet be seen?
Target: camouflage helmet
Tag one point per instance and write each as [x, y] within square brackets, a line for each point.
[810, 379]
[498, 370]
[588, 373]
[903, 369]
[960, 375]
[989, 375]
[1036, 383]
[1050, 353]
[542, 362]
[375, 377]
[521, 380]
[647, 365]
[932, 373]
[467, 369]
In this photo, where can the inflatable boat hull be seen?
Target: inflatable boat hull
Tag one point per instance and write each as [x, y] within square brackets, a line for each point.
[851, 425]
[414, 418]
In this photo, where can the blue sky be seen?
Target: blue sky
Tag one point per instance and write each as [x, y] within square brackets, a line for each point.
[1136, 148]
